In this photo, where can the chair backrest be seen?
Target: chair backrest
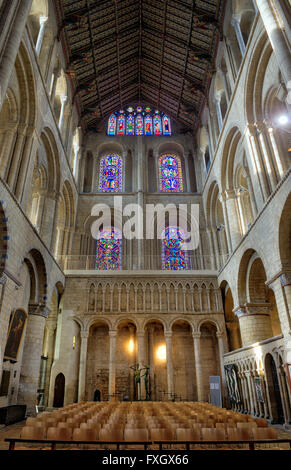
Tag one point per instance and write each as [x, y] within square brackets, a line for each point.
[136, 434]
[64, 434]
[111, 434]
[28, 432]
[239, 434]
[265, 433]
[261, 422]
[185, 434]
[52, 433]
[161, 434]
[247, 425]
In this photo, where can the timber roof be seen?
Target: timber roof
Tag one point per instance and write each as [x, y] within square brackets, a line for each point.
[149, 52]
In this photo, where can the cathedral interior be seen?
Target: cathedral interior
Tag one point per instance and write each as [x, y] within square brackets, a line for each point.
[139, 111]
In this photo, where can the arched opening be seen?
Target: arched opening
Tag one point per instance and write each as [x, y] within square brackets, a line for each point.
[156, 360]
[97, 365]
[97, 395]
[231, 320]
[274, 390]
[59, 391]
[185, 387]
[126, 357]
[210, 353]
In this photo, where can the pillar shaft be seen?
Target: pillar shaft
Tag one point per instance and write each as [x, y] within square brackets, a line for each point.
[82, 366]
[276, 37]
[112, 364]
[199, 378]
[170, 371]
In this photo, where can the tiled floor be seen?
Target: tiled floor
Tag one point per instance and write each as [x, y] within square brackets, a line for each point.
[14, 430]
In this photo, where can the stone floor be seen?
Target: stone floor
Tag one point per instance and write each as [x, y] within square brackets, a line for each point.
[14, 430]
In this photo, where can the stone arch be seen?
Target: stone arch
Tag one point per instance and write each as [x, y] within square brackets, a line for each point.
[228, 156]
[284, 235]
[275, 399]
[4, 239]
[255, 77]
[231, 320]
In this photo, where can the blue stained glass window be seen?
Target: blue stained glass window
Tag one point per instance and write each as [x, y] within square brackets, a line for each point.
[174, 257]
[148, 125]
[109, 249]
[170, 173]
[130, 125]
[121, 125]
[139, 125]
[110, 176]
[157, 125]
[166, 125]
[111, 125]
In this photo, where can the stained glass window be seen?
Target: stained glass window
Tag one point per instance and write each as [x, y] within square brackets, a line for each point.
[139, 125]
[130, 125]
[170, 173]
[157, 125]
[110, 178]
[121, 125]
[174, 257]
[109, 249]
[166, 125]
[148, 125]
[111, 125]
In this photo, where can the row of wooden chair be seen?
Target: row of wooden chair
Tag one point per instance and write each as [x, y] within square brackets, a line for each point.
[88, 433]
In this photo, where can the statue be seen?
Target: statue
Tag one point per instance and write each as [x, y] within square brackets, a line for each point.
[146, 382]
[136, 370]
[137, 380]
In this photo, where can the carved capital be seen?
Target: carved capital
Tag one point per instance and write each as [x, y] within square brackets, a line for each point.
[3, 279]
[285, 279]
[40, 310]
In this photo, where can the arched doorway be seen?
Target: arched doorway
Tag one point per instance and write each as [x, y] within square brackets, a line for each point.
[274, 390]
[59, 391]
[97, 395]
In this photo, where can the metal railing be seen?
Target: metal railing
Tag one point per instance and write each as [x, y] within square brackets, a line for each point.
[121, 445]
[147, 263]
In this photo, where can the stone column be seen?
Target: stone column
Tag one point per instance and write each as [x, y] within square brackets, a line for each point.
[13, 39]
[277, 38]
[42, 22]
[236, 24]
[282, 290]
[170, 371]
[76, 160]
[112, 364]
[220, 337]
[267, 157]
[222, 198]
[188, 184]
[254, 322]
[232, 217]
[9, 135]
[61, 119]
[198, 368]
[141, 361]
[31, 359]
[16, 158]
[249, 386]
[261, 190]
[218, 111]
[278, 158]
[82, 365]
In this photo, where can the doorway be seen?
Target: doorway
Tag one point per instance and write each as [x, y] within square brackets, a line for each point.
[59, 391]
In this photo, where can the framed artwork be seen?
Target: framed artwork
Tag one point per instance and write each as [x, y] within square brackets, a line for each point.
[288, 368]
[259, 389]
[15, 334]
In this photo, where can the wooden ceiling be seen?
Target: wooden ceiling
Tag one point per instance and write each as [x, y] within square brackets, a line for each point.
[149, 52]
